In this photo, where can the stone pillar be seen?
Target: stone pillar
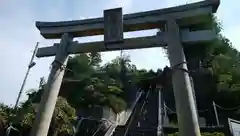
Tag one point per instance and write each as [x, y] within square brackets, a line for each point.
[186, 110]
[51, 90]
[193, 90]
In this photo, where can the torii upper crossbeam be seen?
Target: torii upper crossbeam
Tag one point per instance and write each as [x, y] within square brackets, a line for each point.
[185, 15]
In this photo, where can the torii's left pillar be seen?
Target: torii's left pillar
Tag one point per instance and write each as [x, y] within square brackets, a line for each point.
[51, 90]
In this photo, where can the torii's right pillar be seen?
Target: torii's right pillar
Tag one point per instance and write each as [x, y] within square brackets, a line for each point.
[185, 105]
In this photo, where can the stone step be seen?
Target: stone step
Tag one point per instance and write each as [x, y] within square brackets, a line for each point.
[151, 119]
[143, 132]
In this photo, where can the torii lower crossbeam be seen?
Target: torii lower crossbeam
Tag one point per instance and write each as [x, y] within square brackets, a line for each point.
[131, 43]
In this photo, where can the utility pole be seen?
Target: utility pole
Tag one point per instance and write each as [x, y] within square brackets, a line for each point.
[41, 83]
[51, 90]
[185, 105]
[31, 64]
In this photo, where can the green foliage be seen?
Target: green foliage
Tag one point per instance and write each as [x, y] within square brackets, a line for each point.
[116, 103]
[99, 85]
[203, 134]
[6, 114]
[27, 114]
[64, 115]
[223, 60]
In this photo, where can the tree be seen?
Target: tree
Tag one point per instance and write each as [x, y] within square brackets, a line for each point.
[98, 85]
[203, 134]
[6, 115]
[218, 78]
[63, 117]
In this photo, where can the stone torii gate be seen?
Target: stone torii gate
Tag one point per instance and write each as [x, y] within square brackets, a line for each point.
[174, 23]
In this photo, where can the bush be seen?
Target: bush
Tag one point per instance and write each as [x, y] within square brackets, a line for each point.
[203, 134]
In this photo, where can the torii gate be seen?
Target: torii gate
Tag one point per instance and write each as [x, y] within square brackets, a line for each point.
[171, 21]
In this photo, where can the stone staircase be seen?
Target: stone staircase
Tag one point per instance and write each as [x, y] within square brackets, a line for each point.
[144, 119]
[141, 131]
[119, 131]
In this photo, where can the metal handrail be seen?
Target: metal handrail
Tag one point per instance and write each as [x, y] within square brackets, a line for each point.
[107, 129]
[89, 118]
[110, 130]
[131, 110]
[98, 129]
[130, 122]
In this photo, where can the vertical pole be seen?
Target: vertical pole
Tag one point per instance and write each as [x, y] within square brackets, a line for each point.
[160, 113]
[51, 90]
[216, 113]
[26, 75]
[165, 112]
[186, 110]
[78, 125]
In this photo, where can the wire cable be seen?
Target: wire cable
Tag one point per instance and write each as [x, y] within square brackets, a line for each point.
[174, 111]
[228, 109]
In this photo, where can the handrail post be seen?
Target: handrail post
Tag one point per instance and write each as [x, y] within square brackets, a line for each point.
[216, 113]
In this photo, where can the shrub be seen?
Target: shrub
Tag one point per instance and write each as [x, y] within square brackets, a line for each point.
[203, 134]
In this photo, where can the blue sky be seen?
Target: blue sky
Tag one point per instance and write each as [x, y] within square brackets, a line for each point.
[19, 35]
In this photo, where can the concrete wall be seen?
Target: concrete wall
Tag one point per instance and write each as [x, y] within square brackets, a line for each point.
[107, 113]
[123, 116]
